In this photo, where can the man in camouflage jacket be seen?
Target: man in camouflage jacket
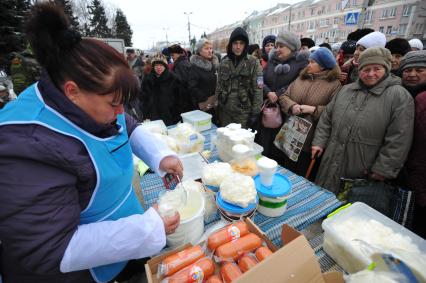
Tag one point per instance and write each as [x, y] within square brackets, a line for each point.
[25, 70]
[240, 83]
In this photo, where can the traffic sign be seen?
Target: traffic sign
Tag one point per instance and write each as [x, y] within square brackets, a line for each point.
[351, 18]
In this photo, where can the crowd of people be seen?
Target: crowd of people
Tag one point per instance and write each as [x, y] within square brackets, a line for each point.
[365, 99]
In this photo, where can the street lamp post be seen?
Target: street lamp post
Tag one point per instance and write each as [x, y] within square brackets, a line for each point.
[189, 28]
[167, 37]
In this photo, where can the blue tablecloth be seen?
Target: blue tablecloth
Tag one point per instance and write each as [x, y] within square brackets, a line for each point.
[307, 203]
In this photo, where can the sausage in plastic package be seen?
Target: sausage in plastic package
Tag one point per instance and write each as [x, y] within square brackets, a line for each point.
[227, 234]
[175, 262]
[230, 272]
[232, 250]
[197, 272]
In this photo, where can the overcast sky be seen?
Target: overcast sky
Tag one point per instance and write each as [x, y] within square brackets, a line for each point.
[150, 19]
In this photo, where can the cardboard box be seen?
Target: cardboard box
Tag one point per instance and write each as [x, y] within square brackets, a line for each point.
[295, 262]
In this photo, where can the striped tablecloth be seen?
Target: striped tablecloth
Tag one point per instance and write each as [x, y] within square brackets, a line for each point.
[307, 203]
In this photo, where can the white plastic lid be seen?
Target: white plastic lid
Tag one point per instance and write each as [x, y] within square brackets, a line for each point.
[267, 163]
[240, 149]
[234, 126]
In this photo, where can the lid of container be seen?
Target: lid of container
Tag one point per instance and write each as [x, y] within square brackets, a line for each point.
[234, 209]
[234, 126]
[240, 149]
[281, 186]
[268, 163]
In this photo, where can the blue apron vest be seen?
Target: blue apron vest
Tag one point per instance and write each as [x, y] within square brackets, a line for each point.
[113, 197]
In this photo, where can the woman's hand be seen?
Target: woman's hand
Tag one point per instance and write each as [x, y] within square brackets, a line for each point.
[316, 151]
[170, 223]
[295, 109]
[307, 109]
[172, 165]
[272, 96]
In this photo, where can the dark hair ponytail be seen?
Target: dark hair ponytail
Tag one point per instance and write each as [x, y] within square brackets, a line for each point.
[92, 64]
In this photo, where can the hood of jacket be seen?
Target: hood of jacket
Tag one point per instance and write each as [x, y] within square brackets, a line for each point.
[328, 75]
[204, 63]
[238, 34]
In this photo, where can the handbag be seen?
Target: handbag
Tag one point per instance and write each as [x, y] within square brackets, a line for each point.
[395, 202]
[271, 115]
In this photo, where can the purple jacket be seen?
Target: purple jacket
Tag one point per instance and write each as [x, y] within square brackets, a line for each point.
[46, 179]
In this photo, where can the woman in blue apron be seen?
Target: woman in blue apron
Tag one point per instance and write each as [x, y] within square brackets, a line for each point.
[68, 211]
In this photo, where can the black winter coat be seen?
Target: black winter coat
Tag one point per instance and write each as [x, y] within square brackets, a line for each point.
[160, 97]
[181, 68]
[202, 78]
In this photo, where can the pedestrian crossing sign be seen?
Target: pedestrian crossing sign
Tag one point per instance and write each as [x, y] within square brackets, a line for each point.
[351, 18]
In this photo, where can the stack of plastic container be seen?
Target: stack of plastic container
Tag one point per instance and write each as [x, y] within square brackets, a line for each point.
[233, 134]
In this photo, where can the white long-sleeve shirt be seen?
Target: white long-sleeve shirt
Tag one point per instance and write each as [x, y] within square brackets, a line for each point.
[132, 237]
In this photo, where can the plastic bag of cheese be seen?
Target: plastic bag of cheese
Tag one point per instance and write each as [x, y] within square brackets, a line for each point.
[214, 173]
[238, 189]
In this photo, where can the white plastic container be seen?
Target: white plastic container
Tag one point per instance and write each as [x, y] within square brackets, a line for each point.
[273, 199]
[353, 234]
[200, 120]
[156, 126]
[191, 226]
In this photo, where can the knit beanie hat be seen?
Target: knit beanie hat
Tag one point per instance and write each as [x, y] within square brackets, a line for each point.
[306, 41]
[289, 39]
[335, 47]
[200, 44]
[398, 46]
[268, 39]
[324, 57]
[413, 59]
[375, 55]
[348, 47]
[416, 43]
[374, 39]
[159, 59]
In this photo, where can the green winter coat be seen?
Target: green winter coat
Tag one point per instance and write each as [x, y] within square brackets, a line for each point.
[239, 91]
[364, 130]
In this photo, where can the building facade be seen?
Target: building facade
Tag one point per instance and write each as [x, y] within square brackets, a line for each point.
[332, 20]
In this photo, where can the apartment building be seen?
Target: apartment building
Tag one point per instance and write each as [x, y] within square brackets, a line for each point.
[333, 20]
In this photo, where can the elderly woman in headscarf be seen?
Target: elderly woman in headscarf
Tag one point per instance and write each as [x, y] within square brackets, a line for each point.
[307, 97]
[267, 45]
[202, 77]
[367, 128]
[284, 65]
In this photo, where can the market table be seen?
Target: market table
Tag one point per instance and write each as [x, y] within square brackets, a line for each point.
[307, 204]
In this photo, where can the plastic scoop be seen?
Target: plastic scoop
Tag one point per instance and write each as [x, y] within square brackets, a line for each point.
[183, 187]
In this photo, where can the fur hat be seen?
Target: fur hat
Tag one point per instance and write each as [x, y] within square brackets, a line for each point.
[348, 47]
[398, 46]
[416, 43]
[359, 33]
[175, 48]
[159, 58]
[307, 41]
[289, 39]
[413, 59]
[252, 47]
[374, 39]
[200, 44]
[375, 55]
[326, 45]
[324, 58]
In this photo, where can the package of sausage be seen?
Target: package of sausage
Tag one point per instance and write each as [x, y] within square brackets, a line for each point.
[247, 262]
[231, 251]
[230, 272]
[197, 272]
[227, 234]
[175, 262]
[262, 253]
